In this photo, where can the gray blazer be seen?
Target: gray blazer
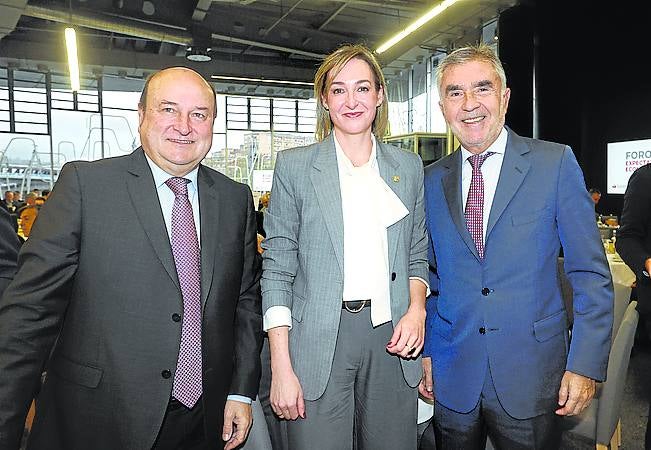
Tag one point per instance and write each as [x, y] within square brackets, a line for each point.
[303, 257]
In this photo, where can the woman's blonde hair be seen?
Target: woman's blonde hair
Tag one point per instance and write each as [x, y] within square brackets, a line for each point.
[331, 66]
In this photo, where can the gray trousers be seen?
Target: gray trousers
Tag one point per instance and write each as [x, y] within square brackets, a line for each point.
[277, 427]
[366, 402]
[258, 438]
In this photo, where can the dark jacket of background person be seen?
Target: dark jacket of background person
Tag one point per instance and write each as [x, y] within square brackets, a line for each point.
[9, 245]
[105, 288]
[634, 235]
[634, 246]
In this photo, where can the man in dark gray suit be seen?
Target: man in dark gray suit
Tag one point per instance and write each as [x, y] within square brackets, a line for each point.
[138, 292]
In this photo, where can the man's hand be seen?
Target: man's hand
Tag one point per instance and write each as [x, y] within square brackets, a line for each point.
[408, 336]
[237, 423]
[426, 386]
[286, 395]
[575, 394]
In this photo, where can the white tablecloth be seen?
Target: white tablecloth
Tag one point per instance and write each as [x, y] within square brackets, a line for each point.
[620, 272]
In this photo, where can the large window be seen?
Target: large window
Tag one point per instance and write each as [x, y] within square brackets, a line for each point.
[43, 125]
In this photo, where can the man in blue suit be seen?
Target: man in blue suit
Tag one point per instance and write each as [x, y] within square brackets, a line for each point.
[501, 361]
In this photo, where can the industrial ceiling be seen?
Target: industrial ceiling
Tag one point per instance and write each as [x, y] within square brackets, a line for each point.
[260, 39]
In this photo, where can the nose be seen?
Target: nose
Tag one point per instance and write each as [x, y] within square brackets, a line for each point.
[470, 101]
[351, 100]
[182, 125]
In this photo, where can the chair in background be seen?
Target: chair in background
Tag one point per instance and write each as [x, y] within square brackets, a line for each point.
[600, 422]
[622, 300]
[566, 290]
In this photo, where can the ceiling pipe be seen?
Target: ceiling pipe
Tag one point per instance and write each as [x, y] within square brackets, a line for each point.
[142, 30]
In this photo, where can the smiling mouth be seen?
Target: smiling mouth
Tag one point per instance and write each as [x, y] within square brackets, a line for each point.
[353, 115]
[181, 141]
[474, 119]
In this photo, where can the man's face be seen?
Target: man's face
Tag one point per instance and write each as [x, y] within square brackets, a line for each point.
[474, 104]
[177, 123]
[9, 197]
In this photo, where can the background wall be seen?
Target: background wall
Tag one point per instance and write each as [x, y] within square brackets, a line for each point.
[588, 65]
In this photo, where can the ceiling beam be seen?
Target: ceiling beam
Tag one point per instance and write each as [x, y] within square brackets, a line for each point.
[201, 10]
[29, 54]
[144, 30]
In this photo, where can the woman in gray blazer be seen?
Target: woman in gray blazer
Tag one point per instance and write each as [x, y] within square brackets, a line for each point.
[344, 268]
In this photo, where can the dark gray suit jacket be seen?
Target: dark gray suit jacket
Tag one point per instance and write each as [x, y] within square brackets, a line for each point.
[97, 276]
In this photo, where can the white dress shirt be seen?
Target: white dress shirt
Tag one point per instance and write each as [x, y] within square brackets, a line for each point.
[369, 207]
[166, 199]
[166, 196]
[490, 171]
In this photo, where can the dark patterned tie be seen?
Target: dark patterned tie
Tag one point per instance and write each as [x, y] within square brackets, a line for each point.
[185, 247]
[474, 211]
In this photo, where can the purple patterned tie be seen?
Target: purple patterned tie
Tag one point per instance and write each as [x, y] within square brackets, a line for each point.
[185, 247]
[474, 211]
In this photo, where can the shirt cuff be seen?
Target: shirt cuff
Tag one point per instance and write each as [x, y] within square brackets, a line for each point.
[277, 316]
[428, 293]
[240, 398]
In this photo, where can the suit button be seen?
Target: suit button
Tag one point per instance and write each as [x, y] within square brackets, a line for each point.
[393, 276]
[176, 317]
[482, 330]
[485, 292]
[166, 374]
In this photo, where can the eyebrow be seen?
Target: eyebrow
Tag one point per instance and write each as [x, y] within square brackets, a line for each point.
[356, 82]
[481, 83]
[171, 103]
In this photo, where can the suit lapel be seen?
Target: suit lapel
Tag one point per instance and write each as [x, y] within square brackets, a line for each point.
[394, 178]
[142, 191]
[453, 196]
[209, 208]
[325, 180]
[514, 169]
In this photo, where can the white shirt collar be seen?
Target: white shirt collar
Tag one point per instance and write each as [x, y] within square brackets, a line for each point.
[160, 176]
[499, 146]
[344, 162]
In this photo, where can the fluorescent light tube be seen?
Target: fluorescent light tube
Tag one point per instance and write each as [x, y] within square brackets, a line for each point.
[73, 60]
[429, 15]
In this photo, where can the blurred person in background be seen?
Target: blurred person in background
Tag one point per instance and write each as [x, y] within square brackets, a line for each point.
[634, 246]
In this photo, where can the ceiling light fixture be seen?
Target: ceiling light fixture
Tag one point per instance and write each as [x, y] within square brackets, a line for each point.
[198, 54]
[73, 60]
[429, 15]
[260, 80]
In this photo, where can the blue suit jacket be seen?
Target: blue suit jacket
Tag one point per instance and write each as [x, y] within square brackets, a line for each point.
[506, 312]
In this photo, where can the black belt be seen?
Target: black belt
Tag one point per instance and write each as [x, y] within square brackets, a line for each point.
[355, 306]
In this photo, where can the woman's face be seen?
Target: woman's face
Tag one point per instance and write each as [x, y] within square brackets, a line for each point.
[352, 98]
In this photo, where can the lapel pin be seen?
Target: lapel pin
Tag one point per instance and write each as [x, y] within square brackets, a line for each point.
[396, 178]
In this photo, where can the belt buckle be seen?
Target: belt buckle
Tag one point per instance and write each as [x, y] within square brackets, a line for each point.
[355, 310]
